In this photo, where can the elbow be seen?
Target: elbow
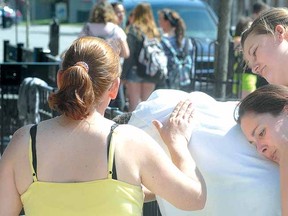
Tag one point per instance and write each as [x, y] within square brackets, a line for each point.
[125, 54]
[198, 201]
[201, 194]
[202, 197]
[196, 204]
[201, 201]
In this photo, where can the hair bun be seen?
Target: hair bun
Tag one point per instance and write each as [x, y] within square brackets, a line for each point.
[83, 65]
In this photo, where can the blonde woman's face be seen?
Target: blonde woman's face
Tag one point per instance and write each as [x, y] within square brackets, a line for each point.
[267, 55]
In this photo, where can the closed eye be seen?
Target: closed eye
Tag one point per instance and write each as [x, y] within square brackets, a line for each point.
[262, 133]
[254, 52]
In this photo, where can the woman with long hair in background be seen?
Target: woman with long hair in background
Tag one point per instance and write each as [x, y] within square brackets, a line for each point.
[138, 88]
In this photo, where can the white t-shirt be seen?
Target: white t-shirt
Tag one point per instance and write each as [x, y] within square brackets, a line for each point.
[240, 182]
[106, 31]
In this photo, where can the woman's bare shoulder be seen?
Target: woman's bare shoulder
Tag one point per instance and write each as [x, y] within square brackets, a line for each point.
[131, 130]
[131, 135]
[18, 143]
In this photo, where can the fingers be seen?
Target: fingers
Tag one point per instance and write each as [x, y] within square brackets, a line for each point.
[188, 110]
[157, 124]
[183, 110]
[176, 110]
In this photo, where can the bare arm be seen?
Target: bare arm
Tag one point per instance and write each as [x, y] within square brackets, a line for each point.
[125, 52]
[182, 185]
[10, 202]
[176, 133]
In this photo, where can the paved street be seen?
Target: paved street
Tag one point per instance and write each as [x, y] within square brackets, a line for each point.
[38, 36]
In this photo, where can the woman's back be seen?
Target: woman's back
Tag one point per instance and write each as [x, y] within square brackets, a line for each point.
[72, 172]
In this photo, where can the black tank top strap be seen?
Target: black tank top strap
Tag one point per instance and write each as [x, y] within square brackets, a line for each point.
[114, 173]
[33, 131]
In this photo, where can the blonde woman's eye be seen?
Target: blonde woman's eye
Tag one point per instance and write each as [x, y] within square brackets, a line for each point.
[254, 53]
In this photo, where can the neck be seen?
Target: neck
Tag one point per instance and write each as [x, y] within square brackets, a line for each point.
[91, 119]
[171, 33]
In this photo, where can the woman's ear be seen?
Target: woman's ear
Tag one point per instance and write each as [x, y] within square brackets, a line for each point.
[280, 32]
[285, 109]
[59, 78]
[113, 91]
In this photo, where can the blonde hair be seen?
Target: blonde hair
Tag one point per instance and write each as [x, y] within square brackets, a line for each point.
[266, 23]
[89, 68]
[144, 20]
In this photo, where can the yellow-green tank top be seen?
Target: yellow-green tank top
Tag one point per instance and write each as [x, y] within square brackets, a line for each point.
[99, 197]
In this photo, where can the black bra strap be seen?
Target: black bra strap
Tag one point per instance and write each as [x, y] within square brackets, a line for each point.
[114, 173]
[33, 131]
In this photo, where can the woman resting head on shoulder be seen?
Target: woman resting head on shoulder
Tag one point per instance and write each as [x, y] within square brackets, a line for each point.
[263, 117]
[265, 46]
[80, 160]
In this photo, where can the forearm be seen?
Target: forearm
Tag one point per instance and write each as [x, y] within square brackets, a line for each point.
[182, 158]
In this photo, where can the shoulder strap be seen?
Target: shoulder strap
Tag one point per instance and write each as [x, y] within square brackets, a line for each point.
[110, 154]
[33, 155]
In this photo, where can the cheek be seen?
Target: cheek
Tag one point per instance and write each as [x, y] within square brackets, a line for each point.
[280, 136]
[276, 76]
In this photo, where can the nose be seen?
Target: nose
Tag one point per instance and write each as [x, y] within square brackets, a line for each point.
[265, 151]
[262, 148]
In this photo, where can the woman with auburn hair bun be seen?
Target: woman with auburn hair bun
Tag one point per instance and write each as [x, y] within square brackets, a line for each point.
[81, 163]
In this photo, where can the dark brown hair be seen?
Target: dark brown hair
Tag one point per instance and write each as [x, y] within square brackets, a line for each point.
[175, 21]
[267, 99]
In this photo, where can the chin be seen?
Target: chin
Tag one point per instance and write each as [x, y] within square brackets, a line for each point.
[276, 160]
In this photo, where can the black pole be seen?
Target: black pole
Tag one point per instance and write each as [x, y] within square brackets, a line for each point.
[16, 22]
